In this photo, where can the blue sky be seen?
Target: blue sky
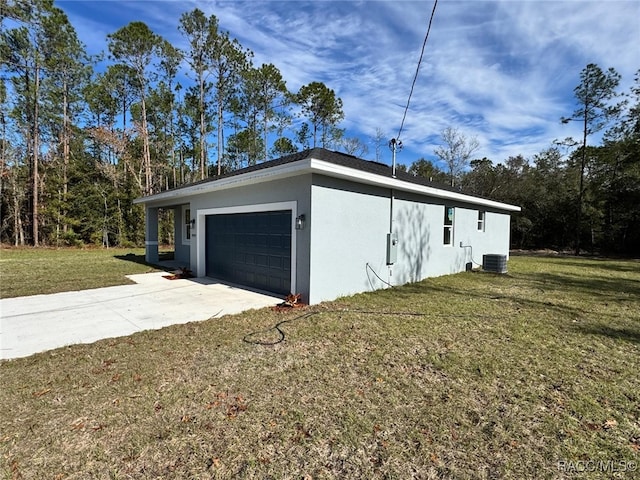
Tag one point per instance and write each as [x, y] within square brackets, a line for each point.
[502, 71]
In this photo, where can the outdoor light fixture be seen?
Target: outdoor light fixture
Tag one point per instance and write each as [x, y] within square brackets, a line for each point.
[193, 223]
[300, 222]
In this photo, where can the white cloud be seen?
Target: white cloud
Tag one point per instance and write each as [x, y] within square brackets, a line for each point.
[503, 71]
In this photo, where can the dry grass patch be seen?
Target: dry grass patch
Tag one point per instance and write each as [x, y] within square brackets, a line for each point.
[466, 376]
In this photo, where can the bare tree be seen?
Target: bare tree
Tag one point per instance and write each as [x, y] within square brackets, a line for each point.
[379, 139]
[354, 146]
[456, 151]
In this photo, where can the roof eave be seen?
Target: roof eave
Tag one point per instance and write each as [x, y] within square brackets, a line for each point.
[323, 167]
[339, 171]
[268, 174]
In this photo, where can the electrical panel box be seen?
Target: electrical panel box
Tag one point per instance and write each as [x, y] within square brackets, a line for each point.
[392, 248]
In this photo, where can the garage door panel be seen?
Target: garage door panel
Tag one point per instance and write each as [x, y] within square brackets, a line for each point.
[274, 283]
[252, 249]
[275, 263]
[276, 241]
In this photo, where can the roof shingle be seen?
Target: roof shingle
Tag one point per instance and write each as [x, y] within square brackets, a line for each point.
[337, 158]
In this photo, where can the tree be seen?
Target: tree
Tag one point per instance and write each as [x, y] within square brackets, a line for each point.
[617, 176]
[227, 59]
[427, 169]
[67, 64]
[303, 135]
[456, 152]
[160, 114]
[243, 148]
[378, 140]
[354, 146]
[19, 10]
[482, 179]
[200, 32]
[170, 58]
[135, 46]
[111, 94]
[543, 190]
[594, 111]
[283, 146]
[322, 108]
[21, 51]
[189, 139]
[263, 91]
[10, 186]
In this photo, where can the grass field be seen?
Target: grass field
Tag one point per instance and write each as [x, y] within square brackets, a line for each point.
[533, 374]
[32, 271]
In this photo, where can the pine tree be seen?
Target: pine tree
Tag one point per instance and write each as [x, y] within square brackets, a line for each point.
[136, 46]
[593, 96]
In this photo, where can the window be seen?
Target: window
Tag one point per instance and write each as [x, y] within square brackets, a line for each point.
[481, 217]
[186, 225]
[448, 225]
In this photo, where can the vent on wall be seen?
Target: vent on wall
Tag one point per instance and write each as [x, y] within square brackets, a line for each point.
[494, 263]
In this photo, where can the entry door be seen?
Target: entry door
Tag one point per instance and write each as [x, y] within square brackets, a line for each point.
[252, 249]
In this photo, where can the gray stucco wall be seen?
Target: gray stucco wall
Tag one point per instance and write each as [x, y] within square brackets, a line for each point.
[182, 251]
[419, 223]
[349, 223]
[296, 189]
[349, 226]
[342, 249]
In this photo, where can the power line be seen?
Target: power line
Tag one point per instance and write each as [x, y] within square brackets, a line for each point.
[424, 44]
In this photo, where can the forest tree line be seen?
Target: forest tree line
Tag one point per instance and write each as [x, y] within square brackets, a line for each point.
[81, 137]
[575, 195]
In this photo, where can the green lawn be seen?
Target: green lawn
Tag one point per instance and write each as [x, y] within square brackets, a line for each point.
[533, 374]
[31, 271]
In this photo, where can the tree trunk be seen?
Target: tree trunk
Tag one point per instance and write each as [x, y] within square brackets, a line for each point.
[65, 154]
[19, 228]
[36, 154]
[203, 142]
[264, 126]
[220, 137]
[315, 130]
[105, 222]
[172, 144]
[17, 197]
[181, 160]
[583, 161]
[146, 152]
[120, 224]
[58, 219]
[4, 172]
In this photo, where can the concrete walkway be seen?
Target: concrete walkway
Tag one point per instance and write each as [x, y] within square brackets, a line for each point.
[42, 322]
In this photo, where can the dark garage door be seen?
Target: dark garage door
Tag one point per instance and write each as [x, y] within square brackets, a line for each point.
[252, 249]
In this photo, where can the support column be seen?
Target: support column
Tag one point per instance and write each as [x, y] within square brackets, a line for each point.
[151, 235]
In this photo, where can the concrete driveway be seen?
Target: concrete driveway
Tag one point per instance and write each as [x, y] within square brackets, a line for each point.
[42, 322]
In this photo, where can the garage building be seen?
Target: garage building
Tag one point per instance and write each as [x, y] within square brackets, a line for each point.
[326, 224]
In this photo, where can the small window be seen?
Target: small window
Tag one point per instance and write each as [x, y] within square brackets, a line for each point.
[448, 225]
[481, 217]
[186, 226]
